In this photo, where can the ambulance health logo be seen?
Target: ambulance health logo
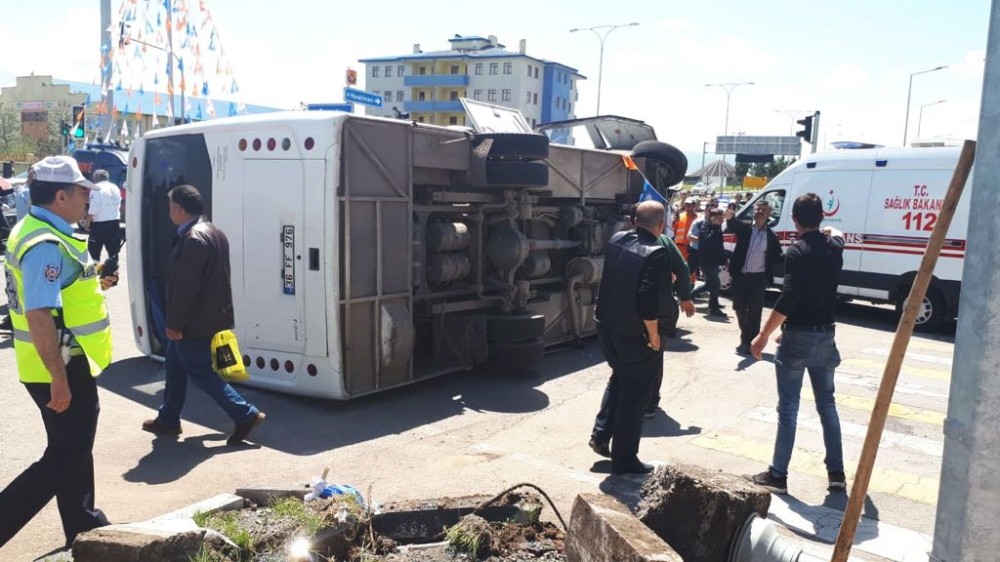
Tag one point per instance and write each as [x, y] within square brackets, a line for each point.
[831, 206]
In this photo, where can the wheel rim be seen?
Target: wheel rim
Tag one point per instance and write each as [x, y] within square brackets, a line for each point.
[926, 311]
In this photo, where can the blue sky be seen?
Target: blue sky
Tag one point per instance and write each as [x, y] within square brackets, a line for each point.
[851, 59]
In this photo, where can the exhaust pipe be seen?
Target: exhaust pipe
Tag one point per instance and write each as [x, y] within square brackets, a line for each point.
[759, 541]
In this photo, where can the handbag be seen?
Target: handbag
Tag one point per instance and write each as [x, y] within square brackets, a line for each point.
[227, 360]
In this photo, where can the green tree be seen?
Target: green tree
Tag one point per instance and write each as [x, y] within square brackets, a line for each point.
[742, 169]
[53, 145]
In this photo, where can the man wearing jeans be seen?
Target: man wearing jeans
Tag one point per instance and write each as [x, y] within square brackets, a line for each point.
[199, 305]
[804, 311]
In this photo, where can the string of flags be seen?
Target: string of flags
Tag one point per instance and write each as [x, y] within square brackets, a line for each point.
[139, 54]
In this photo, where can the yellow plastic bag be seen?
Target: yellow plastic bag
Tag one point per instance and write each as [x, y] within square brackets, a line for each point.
[227, 360]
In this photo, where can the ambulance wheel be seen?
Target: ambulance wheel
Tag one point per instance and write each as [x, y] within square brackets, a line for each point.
[725, 279]
[667, 155]
[515, 146]
[516, 173]
[515, 357]
[930, 315]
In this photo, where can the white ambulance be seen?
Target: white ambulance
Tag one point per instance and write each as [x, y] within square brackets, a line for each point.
[886, 201]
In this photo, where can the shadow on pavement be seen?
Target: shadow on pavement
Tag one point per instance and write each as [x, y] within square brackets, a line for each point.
[304, 426]
[171, 457]
[665, 426]
[837, 500]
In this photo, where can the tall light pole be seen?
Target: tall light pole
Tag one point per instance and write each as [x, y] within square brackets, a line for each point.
[728, 87]
[909, 92]
[792, 114]
[920, 120]
[602, 32]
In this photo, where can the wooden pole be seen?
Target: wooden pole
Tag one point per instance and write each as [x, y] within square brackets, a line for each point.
[904, 331]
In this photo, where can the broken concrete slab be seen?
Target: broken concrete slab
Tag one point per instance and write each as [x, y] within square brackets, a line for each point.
[167, 541]
[601, 528]
[422, 521]
[699, 511]
[221, 502]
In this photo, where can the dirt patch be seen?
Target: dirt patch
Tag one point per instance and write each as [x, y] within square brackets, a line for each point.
[338, 529]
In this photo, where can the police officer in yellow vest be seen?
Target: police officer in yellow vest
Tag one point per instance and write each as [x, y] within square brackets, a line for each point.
[62, 341]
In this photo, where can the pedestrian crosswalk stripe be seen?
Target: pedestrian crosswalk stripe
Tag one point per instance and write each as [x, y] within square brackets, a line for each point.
[894, 439]
[883, 480]
[878, 366]
[936, 359]
[899, 411]
[871, 382]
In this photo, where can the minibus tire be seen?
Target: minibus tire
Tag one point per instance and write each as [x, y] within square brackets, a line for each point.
[515, 146]
[515, 327]
[515, 354]
[516, 173]
[666, 154]
[933, 299]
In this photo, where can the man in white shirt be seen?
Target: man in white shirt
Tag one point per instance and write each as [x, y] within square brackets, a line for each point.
[104, 217]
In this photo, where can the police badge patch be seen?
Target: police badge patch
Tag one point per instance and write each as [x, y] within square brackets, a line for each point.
[51, 273]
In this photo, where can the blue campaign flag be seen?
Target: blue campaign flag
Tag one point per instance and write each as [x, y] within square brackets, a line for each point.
[649, 193]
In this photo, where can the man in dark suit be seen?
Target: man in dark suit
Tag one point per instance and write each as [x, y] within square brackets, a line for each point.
[199, 304]
[752, 268]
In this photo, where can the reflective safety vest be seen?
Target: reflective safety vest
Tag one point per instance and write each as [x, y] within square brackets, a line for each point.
[84, 313]
[681, 228]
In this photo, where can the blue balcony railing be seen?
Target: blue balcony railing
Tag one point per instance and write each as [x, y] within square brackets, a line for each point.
[436, 80]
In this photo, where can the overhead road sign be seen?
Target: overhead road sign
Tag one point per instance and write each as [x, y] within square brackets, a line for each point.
[362, 97]
[744, 144]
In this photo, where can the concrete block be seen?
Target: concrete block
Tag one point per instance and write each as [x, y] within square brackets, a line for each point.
[169, 541]
[424, 520]
[699, 511]
[221, 502]
[267, 496]
[601, 529]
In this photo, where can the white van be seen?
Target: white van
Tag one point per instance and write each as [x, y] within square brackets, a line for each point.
[886, 201]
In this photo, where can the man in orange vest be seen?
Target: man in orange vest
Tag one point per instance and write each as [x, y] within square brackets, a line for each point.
[682, 226]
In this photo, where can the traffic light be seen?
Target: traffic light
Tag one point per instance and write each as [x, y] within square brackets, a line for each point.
[79, 127]
[807, 129]
[64, 128]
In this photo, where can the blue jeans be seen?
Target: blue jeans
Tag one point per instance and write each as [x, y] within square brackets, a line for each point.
[712, 284]
[816, 352]
[192, 357]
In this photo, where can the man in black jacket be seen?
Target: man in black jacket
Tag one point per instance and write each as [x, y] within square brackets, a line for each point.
[752, 268]
[713, 255]
[635, 284]
[199, 305]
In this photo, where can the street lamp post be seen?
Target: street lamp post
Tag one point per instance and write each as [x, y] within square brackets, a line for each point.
[792, 114]
[909, 92]
[920, 120]
[728, 87]
[601, 36]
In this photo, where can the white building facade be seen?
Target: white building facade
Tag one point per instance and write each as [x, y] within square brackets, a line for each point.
[429, 85]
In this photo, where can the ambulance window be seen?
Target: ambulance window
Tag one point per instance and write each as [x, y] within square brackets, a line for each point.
[774, 198]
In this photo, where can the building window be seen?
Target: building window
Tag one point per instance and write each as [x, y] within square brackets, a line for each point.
[536, 72]
[423, 70]
[534, 123]
[570, 108]
[399, 95]
[491, 95]
[454, 69]
[421, 96]
[529, 71]
[375, 72]
[494, 68]
[401, 70]
[479, 68]
[388, 96]
[505, 94]
[477, 94]
[388, 71]
[508, 68]
[527, 97]
[534, 99]
[453, 96]
[453, 120]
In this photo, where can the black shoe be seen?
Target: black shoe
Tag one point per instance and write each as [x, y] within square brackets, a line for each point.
[717, 312]
[154, 426]
[769, 482]
[600, 448]
[743, 349]
[651, 413]
[243, 430]
[641, 468]
[836, 480]
[6, 324]
[720, 306]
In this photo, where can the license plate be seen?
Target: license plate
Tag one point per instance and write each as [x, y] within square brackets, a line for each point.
[288, 259]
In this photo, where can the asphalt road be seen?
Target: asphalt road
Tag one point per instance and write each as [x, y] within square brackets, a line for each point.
[471, 433]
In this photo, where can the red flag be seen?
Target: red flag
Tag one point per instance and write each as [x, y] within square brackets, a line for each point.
[629, 163]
